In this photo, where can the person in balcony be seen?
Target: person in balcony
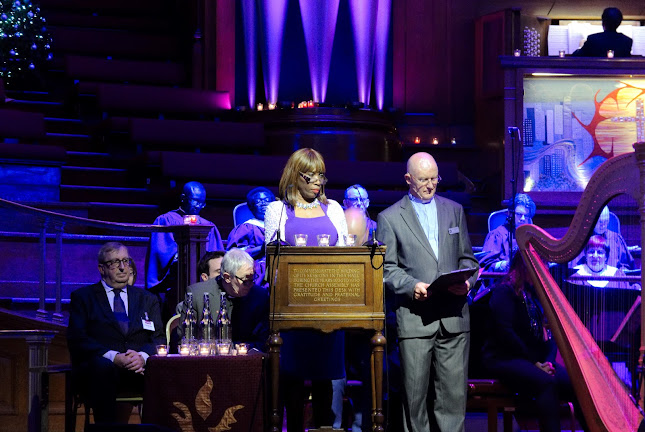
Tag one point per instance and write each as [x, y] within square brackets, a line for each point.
[356, 196]
[162, 255]
[497, 249]
[598, 44]
[249, 235]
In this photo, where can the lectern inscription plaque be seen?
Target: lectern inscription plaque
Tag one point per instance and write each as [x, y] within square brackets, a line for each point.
[341, 284]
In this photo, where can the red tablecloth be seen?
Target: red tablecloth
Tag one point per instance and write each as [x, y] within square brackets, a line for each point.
[205, 394]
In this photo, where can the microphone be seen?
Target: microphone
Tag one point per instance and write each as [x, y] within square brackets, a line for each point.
[516, 130]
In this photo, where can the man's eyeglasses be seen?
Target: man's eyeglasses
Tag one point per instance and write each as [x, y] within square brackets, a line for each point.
[309, 178]
[423, 182]
[113, 264]
[197, 204]
[247, 281]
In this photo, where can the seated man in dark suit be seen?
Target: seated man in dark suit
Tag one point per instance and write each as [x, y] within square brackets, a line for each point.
[113, 328]
[598, 44]
[247, 303]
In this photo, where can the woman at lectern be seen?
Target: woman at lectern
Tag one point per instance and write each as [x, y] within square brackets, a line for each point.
[307, 355]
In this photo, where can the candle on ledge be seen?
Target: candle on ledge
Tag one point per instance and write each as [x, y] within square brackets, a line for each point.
[190, 219]
[162, 350]
[260, 107]
[453, 141]
[417, 140]
[184, 349]
[435, 141]
[271, 106]
[204, 348]
[242, 349]
[561, 53]
[323, 239]
[517, 53]
[223, 348]
[300, 239]
[610, 53]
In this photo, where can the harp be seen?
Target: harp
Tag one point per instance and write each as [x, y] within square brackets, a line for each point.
[606, 403]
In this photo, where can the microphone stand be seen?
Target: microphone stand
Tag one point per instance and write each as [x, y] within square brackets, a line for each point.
[513, 132]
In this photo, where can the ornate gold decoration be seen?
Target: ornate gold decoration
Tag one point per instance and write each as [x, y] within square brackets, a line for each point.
[203, 404]
[227, 419]
[204, 407]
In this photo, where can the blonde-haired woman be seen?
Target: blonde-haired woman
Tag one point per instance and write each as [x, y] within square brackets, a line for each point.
[307, 355]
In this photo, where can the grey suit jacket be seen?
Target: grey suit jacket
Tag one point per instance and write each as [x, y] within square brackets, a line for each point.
[409, 259]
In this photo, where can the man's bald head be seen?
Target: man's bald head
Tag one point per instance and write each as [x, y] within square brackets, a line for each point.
[422, 176]
[193, 197]
[357, 224]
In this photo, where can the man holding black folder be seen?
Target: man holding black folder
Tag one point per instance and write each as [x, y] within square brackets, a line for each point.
[426, 236]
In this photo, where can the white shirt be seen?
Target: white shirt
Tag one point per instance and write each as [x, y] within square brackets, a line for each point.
[110, 295]
[427, 215]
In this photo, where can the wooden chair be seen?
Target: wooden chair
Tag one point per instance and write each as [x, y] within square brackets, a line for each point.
[172, 324]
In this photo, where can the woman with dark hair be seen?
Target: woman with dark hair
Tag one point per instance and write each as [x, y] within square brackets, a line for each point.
[519, 350]
[307, 355]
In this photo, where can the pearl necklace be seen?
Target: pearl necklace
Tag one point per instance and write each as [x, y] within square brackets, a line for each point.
[308, 206]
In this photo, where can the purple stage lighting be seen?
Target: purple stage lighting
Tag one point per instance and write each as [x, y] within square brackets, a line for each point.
[363, 13]
[250, 38]
[319, 23]
[380, 50]
[273, 15]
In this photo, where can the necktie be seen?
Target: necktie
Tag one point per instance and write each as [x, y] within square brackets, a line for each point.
[119, 311]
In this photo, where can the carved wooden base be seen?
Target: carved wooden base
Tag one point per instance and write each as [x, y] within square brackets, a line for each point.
[376, 362]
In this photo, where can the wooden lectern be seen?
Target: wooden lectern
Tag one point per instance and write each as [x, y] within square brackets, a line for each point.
[191, 245]
[326, 289]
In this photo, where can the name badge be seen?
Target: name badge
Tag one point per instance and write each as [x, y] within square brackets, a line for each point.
[453, 230]
[147, 324]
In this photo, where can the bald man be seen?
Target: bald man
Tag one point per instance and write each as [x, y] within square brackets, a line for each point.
[426, 235]
[161, 259]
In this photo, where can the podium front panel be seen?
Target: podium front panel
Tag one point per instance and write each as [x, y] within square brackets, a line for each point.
[326, 288]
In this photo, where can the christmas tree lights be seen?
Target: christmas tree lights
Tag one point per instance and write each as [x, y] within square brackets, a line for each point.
[25, 44]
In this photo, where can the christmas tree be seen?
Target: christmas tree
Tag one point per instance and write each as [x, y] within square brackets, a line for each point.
[25, 44]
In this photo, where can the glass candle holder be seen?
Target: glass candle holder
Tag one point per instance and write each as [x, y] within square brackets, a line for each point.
[323, 239]
[223, 348]
[517, 53]
[162, 350]
[350, 240]
[190, 219]
[561, 53]
[610, 53]
[242, 349]
[184, 349]
[204, 348]
[300, 239]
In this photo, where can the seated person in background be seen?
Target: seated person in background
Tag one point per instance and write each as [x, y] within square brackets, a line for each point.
[247, 303]
[356, 197]
[604, 312]
[132, 274]
[209, 267]
[496, 246]
[162, 257]
[520, 351]
[249, 235]
[598, 44]
[619, 255]
[112, 330]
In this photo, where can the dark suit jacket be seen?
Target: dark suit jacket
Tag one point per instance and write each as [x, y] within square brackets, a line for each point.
[249, 315]
[598, 44]
[409, 259]
[93, 330]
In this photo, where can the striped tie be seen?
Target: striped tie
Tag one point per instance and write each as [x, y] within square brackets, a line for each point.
[119, 311]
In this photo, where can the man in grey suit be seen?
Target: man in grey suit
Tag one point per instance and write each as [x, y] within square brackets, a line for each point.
[247, 303]
[426, 235]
